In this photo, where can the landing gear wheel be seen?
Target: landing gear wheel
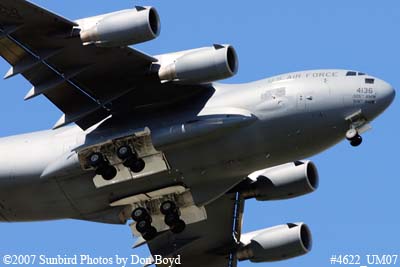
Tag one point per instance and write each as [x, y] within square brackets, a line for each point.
[140, 214]
[178, 227]
[172, 214]
[143, 226]
[351, 134]
[103, 168]
[96, 159]
[150, 234]
[136, 165]
[168, 207]
[356, 141]
[354, 137]
[171, 218]
[108, 172]
[125, 152]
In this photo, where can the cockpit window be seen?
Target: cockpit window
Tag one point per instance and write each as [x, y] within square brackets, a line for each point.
[354, 73]
[369, 80]
[351, 73]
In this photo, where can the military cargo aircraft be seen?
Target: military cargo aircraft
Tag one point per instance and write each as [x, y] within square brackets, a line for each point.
[156, 142]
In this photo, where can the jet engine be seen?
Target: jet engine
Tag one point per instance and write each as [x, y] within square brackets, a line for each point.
[281, 182]
[201, 65]
[275, 243]
[126, 27]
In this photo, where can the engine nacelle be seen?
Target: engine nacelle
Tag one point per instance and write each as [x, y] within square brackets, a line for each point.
[275, 243]
[126, 27]
[282, 182]
[201, 65]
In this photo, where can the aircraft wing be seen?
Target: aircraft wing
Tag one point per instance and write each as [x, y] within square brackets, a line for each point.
[87, 83]
[207, 243]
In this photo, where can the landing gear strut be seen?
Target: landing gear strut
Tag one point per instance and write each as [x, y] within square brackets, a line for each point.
[172, 217]
[354, 137]
[130, 159]
[143, 223]
[102, 166]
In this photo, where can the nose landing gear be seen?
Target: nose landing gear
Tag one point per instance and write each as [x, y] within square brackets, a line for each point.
[358, 124]
[354, 137]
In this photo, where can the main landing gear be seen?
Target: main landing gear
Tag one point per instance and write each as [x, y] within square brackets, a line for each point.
[130, 159]
[143, 223]
[102, 166]
[354, 137]
[172, 219]
[125, 153]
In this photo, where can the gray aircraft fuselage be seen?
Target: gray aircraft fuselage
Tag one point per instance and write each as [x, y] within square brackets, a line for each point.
[290, 117]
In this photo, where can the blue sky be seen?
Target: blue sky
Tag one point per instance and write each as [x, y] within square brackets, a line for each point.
[355, 210]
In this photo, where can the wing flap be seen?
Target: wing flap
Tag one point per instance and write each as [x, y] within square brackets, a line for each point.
[52, 84]
[84, 118]
[10, 51]
[28, 62]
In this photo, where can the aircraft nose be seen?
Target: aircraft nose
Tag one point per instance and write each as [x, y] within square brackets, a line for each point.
[385, 95]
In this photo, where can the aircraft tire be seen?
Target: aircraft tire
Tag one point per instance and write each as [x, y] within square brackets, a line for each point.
[140, 214]
[178, 227]
[108, 172]
[96, 159]
[168, 207]
[351, 134]
[137, 165]
[150, 234]
[171, 218]
[143, 226]
[125, 152]
[356, 141]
